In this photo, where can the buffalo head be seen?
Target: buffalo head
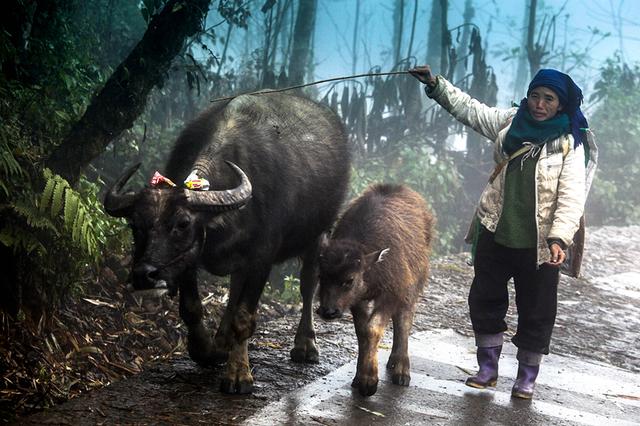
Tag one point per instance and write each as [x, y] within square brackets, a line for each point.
[169, 225]
[343, 264]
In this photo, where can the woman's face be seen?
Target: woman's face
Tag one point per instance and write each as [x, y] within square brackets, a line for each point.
[543, 103]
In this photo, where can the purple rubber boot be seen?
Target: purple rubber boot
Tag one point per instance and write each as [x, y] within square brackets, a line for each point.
[487, 375]
[526, 381]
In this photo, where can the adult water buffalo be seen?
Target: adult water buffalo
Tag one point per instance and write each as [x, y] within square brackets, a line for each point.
[278, 166]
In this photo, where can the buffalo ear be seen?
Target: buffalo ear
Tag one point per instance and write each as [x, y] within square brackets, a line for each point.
[375, 257]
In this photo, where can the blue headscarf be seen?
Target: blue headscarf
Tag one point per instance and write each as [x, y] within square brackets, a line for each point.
[569, 95]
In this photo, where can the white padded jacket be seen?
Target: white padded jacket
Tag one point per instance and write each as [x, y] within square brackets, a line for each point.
[561, 181]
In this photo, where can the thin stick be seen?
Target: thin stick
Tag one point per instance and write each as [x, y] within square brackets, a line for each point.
[262, 92]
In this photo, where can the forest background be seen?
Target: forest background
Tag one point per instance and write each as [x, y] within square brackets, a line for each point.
[89, 87]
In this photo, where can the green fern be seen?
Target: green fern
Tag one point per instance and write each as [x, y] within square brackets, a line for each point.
[21, 240]
[45, 200]
[71, 205]
[34, 218]
[66, 205]
[9, 166]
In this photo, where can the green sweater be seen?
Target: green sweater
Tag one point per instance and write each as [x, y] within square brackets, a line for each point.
[517, 224]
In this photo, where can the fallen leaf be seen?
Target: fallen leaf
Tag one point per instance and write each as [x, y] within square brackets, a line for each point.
[99, 303]
[375, 413]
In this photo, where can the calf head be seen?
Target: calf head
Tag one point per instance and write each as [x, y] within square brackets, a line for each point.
[168, 226]
[342, 265]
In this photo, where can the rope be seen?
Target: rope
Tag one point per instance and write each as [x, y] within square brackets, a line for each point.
[263, 92]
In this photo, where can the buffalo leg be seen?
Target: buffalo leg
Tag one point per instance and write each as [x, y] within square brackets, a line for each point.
[223, 340]
[199, 341]
[369, 329]
[238, 378]
[399, 358]
[304, 348]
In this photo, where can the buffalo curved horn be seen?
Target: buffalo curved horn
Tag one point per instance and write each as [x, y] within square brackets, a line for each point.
[115, 203]
[229, 199]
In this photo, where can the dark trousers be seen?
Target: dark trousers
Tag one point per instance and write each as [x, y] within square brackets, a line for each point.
[536, 293]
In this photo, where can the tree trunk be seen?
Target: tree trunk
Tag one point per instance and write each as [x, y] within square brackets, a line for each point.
[268, 76]
[437, 54]
[302, 40]
[434, 37]
[354, 44]
[287, 42]
[413, 28]
[445, 39]
[398, 30]
[124, 96]
[463, 47]
[478, 158]
[226, 46]
[532, 48]
[522, 74]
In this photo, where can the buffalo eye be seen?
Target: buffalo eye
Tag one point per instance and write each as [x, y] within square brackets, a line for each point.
[183, 224]
[347, 283]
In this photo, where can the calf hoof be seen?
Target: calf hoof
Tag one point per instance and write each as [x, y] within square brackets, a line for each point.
[236, 386]
[366, 387]
[401, 379]
[309, 355]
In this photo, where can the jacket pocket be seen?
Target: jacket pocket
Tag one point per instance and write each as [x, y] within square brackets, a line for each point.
[549, 167]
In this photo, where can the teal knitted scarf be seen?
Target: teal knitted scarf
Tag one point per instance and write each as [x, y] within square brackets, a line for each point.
[525, 128]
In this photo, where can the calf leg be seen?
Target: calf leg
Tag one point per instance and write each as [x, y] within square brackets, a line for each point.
[304, 348]
[369, 329]
[199, 341]
[399, 358]
[238, 378]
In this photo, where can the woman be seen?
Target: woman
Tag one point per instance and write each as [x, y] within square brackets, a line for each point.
[527, 214]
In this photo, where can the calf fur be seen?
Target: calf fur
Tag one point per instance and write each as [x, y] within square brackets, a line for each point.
[376, 264]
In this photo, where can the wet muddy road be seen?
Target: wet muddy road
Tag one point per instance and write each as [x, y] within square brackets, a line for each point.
[596, 336]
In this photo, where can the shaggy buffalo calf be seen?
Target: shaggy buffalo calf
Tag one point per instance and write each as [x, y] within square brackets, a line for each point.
[376, 264]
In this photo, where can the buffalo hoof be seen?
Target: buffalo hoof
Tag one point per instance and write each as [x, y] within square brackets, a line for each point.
[208, 358]
[401, 379]
[219, 356]
[309, 356]
[236, 387]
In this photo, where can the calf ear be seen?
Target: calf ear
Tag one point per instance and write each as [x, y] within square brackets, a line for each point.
[375, 257]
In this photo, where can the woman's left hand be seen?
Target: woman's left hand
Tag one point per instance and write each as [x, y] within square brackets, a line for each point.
[557, 255]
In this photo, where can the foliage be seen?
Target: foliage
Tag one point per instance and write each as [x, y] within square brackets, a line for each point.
[54, 233]
[290, 292]
[235, 12]
[148, 8]
[615, 198]
[53, 58]
[57, 236]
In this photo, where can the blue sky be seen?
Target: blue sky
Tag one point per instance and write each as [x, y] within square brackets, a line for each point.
[501, 25]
